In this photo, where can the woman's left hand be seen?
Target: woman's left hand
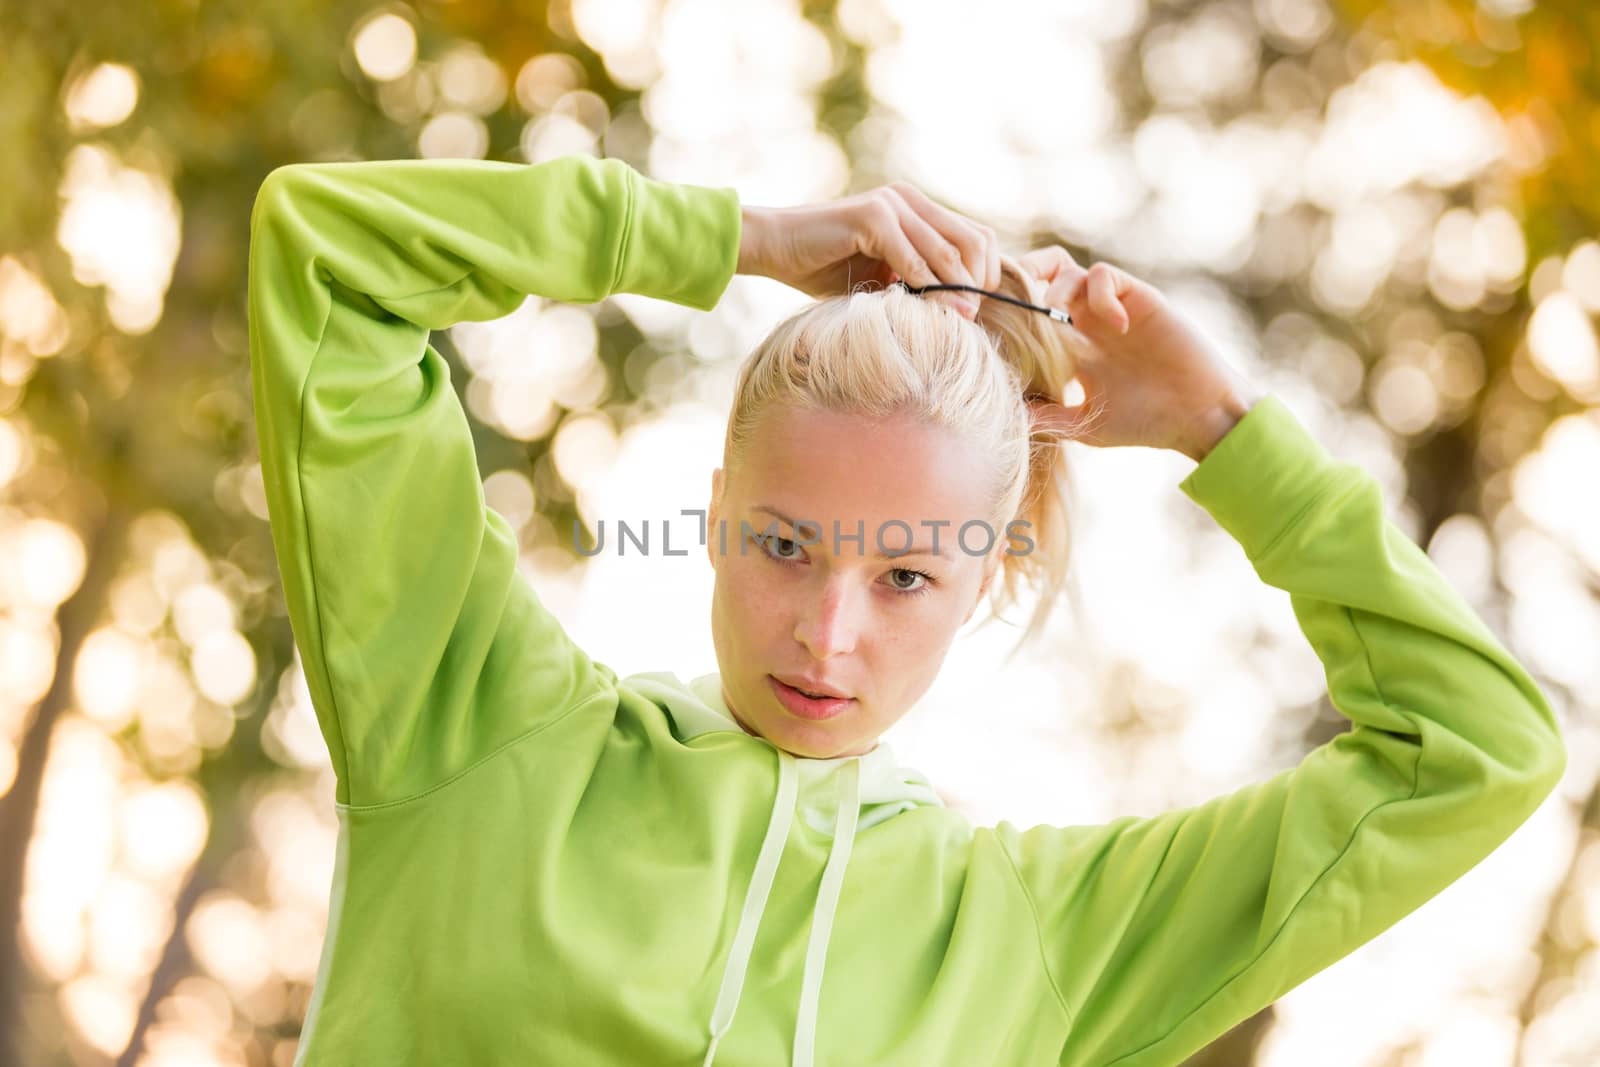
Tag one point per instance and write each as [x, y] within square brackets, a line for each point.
[1157, 379]
[885, 234]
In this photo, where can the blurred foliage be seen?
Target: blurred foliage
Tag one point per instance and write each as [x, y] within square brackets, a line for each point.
[1541, 71]
[123, 425]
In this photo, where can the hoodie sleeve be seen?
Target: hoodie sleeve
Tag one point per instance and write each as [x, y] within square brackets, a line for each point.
[425, 649]
[1160, 934]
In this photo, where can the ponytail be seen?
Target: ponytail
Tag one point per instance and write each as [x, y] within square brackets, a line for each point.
[1043, 354]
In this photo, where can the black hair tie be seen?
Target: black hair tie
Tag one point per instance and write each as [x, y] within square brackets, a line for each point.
[1054, 313]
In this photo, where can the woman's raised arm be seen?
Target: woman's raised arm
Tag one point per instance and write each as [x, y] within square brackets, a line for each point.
[425, 649]
[1162, 933]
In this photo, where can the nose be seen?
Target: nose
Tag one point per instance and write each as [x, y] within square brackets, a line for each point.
[829, 624]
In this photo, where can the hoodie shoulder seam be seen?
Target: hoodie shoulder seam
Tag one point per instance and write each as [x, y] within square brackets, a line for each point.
[1038, 933]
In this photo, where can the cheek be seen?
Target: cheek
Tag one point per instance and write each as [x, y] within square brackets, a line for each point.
[922, 630]
[915, 631]
[747, 591]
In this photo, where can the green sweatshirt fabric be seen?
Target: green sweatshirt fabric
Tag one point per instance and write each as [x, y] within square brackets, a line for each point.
[539, 862]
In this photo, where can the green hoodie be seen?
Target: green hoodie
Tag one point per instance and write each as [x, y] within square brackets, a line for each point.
[539, 862]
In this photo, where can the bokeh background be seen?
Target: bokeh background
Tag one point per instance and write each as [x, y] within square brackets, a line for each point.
[1386, 213]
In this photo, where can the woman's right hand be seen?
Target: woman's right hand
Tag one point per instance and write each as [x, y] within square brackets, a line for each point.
[885, 234]
[1150, 376]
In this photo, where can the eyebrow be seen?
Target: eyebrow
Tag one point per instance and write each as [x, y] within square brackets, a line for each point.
[914, 551]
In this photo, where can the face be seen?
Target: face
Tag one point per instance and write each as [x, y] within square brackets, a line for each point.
[796, 602]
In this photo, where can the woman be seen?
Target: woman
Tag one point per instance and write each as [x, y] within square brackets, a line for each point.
[540, 862]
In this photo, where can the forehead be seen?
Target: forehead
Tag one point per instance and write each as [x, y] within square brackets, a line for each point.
[824, 465]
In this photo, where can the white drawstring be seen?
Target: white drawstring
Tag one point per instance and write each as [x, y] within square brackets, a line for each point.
[844, 832]
[822, 913]
[755, 902]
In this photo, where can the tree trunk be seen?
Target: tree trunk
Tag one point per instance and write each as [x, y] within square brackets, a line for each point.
[18, 808]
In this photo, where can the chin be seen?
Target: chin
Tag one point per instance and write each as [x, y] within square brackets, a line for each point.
[797, 743]
[829, 748]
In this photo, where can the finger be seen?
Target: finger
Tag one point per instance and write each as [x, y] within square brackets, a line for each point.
[1068, 281]
[941, 261]
[896, 233]
[1105, 295]
[1049, 261]
[991, 244]
[1064, 289]
[941, 256]
[883, 237]
[1097, 295]
[1044, 263]
[967, 236]
[1055, 266]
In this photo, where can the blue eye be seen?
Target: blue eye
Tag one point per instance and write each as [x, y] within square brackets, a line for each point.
[928, 580]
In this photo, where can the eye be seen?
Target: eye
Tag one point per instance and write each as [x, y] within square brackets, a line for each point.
[785, 544]
[781, 556]
[927, 585]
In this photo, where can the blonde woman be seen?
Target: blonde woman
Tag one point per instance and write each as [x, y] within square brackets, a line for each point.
[540, 862]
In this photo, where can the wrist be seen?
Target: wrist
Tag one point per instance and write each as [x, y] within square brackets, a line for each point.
[1215, 424]
[752, 232]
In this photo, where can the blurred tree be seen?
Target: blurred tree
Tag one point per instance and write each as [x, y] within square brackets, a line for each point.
[1537, 64]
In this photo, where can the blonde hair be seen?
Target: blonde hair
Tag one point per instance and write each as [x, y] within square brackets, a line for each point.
[891, 353]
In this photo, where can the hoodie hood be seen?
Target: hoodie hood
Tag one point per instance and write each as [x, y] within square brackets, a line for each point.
[838, 796]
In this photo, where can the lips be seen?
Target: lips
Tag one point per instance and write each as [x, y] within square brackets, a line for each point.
[801, 706]
[811, 688]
